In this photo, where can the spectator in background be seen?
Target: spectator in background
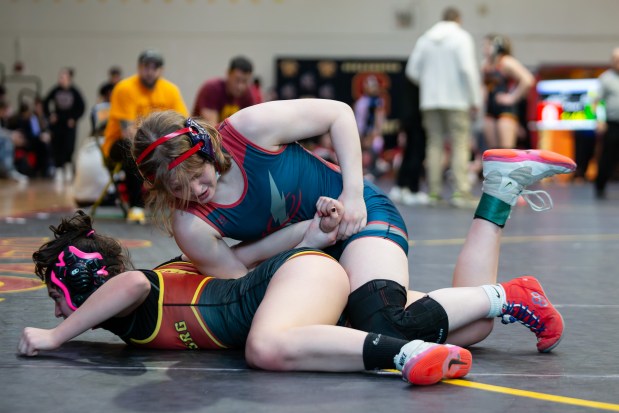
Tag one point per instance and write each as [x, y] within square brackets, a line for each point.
[100, 111]
[322, 146]
[506, 84]
[114, 76]
[221, 97]
[133, 98]
[584, 151]
[256, 90]
[8, 140]
[608, 128]
[443, 64]
[407, 186]
[5, 111]
[36, 138]
[3, 99]
[370, 114]
[63, 106]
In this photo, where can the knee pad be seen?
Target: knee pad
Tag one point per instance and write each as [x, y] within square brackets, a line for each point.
[378, 307]
[429, 321]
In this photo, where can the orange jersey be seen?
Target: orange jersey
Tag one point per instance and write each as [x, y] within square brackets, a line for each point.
[131, 101]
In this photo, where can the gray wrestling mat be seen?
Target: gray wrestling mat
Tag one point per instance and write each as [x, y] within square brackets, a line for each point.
[573, 250]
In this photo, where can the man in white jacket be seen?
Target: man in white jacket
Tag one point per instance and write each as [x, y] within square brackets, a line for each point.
[443, 64]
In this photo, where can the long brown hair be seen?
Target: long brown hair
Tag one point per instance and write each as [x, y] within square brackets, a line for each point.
[160, 197]
[78, 232]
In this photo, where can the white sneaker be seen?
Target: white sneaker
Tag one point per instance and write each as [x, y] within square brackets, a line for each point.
[435, 200]
[464, 200]
[424, 363]
[58, 175]
[68, 172]
[422, 198]
[507, 172]
[415, 198]
[17, 177]
[409, 198]
[395, 194]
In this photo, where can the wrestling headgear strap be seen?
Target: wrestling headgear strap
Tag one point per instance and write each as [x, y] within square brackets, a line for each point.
[200, 143]
[78, 274]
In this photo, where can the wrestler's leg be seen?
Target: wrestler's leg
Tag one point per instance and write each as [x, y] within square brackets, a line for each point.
[507, 174]
[294, 326]
[288, 331]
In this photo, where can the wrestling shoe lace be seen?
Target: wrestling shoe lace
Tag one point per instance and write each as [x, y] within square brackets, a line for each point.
[545, 201]
[527, 303]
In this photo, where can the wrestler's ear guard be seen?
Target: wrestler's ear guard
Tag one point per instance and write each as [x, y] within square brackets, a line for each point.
[78, 274]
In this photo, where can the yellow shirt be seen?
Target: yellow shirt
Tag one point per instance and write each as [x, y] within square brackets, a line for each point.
[131, 101]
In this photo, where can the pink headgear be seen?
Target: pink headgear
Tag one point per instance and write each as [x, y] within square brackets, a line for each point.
[78, 274]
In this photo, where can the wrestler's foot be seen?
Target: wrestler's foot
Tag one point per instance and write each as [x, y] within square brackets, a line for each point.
[527, 303]
[507, 172]
[424, 363]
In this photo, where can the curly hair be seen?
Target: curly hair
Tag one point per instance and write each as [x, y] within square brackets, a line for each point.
[78, 231]
[160, 197]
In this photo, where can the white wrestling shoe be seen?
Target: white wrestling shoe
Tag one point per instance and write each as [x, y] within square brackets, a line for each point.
[424, 363]
[507, 172]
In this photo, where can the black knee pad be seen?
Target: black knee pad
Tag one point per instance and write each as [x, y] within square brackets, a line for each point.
[429, 321]
[378, 307]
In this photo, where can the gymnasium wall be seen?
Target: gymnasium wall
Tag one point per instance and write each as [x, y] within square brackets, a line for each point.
[198, 37]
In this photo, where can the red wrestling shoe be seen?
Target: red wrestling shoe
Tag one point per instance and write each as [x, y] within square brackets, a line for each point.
[527, 303]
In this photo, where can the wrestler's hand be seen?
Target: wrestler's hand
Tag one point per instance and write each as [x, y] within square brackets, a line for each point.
[35, 339]
[355, 216]
[330, 212]
[322, 231]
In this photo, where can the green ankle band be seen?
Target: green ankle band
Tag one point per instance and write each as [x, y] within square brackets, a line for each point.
[493, 209]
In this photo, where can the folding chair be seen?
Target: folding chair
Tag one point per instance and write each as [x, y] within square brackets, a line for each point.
[113, 187]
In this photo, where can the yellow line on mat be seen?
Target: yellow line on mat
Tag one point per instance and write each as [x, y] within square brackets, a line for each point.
[535, 395]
